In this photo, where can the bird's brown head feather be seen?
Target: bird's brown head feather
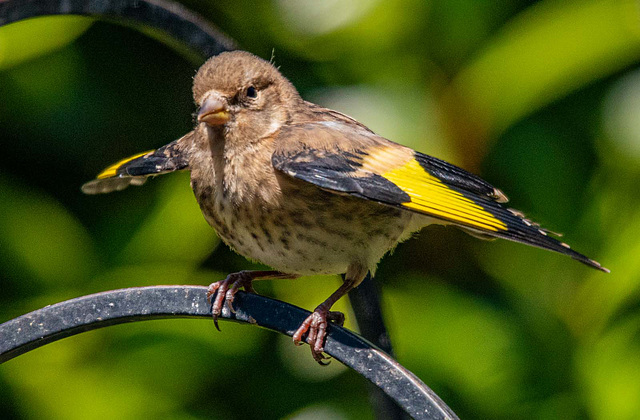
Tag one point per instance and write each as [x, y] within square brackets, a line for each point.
[242, 93]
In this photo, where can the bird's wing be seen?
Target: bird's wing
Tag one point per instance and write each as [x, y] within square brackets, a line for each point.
[344, 158]
[135, 169]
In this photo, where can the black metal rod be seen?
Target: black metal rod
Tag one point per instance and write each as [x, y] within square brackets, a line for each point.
[172, 18]
[365, 301]
[86, 313]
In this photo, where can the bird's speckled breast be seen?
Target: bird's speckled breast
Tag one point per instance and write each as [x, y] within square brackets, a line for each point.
[290, 225]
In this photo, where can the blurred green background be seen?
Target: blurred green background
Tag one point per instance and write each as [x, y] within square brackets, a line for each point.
[540, 98]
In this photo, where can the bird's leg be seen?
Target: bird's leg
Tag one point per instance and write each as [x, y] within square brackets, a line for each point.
[315, 325]
[226, 289]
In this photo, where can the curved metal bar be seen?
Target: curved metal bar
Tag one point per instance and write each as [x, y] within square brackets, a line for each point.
[86, 313]
[365, 302]
[173, 18]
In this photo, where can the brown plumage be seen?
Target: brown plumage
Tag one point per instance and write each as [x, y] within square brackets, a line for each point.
[308, 190]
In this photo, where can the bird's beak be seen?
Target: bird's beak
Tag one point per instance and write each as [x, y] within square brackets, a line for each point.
[213, 112]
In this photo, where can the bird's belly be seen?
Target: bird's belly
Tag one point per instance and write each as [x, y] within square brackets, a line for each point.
[304, 237]
[311, 251]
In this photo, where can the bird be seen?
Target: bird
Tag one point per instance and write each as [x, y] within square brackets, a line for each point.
[308, 190]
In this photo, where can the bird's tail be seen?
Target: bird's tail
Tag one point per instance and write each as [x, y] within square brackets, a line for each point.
[135, 169]
[521, 229]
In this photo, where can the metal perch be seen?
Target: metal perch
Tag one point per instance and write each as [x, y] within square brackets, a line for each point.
[86, 313]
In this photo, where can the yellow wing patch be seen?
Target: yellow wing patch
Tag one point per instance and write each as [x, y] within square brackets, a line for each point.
[113, 169]
[431, 196]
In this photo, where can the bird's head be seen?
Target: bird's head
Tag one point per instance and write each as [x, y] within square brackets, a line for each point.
[238, 92]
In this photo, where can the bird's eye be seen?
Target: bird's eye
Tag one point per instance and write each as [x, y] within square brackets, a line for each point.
[252, 93]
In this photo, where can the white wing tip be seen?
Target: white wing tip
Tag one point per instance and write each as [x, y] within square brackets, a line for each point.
[107, 185]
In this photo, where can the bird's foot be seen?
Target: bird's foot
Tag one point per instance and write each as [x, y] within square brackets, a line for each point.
[316, 328]
[225, 291]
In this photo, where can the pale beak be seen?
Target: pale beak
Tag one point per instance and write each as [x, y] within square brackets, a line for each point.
[213, 112]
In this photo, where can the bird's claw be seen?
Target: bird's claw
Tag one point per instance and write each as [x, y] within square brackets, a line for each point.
[225, 291]
[315, 326]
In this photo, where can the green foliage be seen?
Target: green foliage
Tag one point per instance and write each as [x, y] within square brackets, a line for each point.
[537, 97]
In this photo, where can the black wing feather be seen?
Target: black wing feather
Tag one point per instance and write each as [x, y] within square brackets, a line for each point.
[339, 173]
[458, 177]
[136, 170]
